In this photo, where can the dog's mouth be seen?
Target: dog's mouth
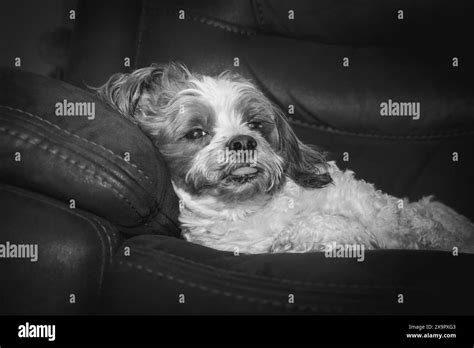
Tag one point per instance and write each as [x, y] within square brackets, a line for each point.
[242, 175]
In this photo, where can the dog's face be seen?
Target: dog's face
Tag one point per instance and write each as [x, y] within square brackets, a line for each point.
[219, 135]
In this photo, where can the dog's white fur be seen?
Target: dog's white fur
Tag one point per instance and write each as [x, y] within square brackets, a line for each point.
[291, 205]
[300, 220]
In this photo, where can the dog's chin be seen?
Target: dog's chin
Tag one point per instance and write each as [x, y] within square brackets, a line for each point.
[244, 183]
[241, 186]
[241, 176]
[238, 187]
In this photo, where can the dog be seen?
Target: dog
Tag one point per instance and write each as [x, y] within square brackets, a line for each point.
[246, 183]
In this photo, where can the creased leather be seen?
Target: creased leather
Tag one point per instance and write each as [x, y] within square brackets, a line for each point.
[81, 159]
[75, 249]
[216, 282]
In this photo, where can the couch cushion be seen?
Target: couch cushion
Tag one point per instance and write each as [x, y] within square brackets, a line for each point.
[367, 22]
[311, 77]
[102, 161]
[159, 269]
[400, 64]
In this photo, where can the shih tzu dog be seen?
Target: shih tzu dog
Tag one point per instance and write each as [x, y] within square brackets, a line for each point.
[247, 183]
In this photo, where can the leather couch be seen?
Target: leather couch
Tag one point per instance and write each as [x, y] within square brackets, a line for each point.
[118, 250]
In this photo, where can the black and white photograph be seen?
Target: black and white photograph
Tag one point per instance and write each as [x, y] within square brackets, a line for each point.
[246, 171]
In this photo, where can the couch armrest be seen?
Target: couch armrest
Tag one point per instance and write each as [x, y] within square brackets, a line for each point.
[73, 251]
[101, 160]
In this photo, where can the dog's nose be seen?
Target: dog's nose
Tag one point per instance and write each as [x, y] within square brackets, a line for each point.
[242, 142]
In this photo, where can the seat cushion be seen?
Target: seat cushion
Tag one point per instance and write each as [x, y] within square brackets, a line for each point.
[100, 161]
[157, 271]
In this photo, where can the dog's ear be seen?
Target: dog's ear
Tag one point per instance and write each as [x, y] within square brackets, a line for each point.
[141, 93]
[305, 164]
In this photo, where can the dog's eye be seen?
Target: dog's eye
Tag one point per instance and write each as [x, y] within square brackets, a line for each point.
[195, 134]
[255, 125]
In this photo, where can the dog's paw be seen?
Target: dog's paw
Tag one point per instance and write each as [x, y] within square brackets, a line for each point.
[282, 243]
[441, 227]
